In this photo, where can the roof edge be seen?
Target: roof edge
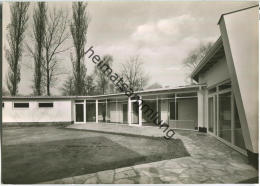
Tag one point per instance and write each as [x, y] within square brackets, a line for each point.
[207, 57]
[236, 11]
[106, 95]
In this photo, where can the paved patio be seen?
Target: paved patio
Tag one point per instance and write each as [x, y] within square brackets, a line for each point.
[211, 161]
[114, 128]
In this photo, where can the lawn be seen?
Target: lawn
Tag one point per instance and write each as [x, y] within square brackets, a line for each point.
[38, 154]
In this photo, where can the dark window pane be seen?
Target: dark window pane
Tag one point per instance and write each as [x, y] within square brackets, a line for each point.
[3, 105]
[45, 104]
[212, 90]
[79, 113]
[225, 116]
[224, 86]
[149, 108]
[238, 136]
[135, 112]
[90, 111]
[172, 111]
[190, 94]
[102, 112]
[21, 105]
[211, 114]
[125, 113]
[79, 101]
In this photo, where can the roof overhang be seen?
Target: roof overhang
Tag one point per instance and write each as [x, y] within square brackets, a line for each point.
[214, 54]
[144, 92]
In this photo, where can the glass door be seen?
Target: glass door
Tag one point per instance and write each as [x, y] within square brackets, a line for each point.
[135, 112]
[79, 112]
[211, 114]
[224, 115]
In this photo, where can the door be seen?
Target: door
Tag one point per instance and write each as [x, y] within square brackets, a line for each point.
[135, 112]
[212, 114]
[125, 114]
[79, 111]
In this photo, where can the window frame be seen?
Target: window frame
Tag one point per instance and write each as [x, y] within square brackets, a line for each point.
[21, 107]
[175, 111]
[45, 103]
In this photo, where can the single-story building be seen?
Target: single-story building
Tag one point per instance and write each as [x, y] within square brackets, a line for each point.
[177, 107]
[224, 102]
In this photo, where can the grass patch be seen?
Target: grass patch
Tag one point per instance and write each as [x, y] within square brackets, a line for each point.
[28, 163]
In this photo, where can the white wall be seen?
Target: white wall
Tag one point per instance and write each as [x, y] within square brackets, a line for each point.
[216, 74]
[240, 38]
[60, 112]
[116, 112]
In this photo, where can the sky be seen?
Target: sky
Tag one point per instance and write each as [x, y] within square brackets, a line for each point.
[162, 33]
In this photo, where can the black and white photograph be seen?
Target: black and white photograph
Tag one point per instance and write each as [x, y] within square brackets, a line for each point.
[129, 92]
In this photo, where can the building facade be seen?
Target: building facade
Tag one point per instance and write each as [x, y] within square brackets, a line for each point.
[224, 102]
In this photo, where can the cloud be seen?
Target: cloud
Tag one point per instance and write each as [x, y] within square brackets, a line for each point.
[168, 30]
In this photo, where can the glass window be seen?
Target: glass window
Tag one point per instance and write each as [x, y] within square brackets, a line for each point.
[225, 116]
[212, 90]
[102, 111]
[90, 111]
[135, 112]
[224, 86]
[238, 136]
[21, 105]
[211, 114]
[45, 105]
[172, 111]
[190, 94]
[3, 105]
[79, 101]
[79, 113]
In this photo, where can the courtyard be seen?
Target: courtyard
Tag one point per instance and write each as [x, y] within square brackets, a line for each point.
[75, 155]
[37, 154]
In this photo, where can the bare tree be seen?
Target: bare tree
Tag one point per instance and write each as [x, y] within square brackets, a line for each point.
[68, 88]
[5, 92]
[89, 87]
[196, 55]
[133, 73]
[101, 78]
[78, 28]
[39, 32]
[15, 37]
[56, 35]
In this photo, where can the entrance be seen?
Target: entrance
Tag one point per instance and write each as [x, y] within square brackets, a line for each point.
[212, 114]
[125, 113]
[79, 112]
[223, 119]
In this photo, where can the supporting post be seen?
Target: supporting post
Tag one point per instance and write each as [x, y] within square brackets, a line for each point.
[84, 110]
[157, 105]
[96, 111]
[140, 111]
[117, 118]
[106, 111]
[129, 111]
[175, 105]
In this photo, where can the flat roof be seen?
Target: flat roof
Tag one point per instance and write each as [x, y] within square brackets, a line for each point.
[152, 91]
